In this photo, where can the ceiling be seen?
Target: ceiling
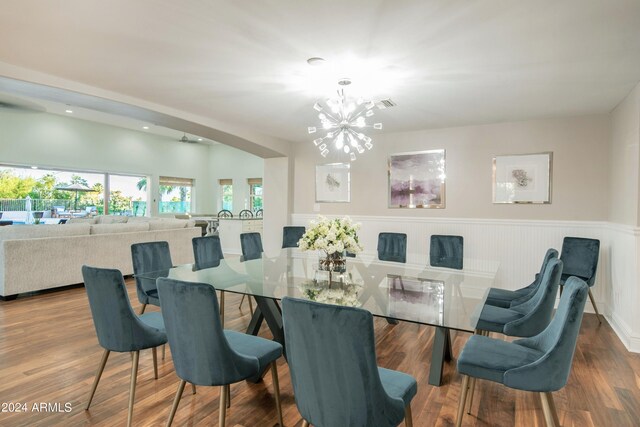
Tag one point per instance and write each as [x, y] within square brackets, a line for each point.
[445, 63]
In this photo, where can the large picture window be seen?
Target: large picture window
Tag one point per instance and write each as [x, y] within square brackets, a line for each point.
[175, 194]
[255, 193]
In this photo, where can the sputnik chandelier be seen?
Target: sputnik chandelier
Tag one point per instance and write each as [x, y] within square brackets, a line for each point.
[344, 120]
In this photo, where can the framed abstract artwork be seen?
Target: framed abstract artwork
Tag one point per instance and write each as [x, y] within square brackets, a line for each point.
[333, 183]
[417, 179]
[522, 178]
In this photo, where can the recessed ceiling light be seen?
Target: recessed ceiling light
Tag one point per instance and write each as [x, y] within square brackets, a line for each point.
[315, 61]
[34, 167]
[68, 111]
[145, 127]
[199, 139]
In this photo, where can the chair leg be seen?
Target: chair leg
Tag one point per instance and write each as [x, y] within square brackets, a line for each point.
[222, 308]
[561, 289]
[549, 409]
[276, 392]
[305, 423]
[472, 386]
[103, 362]
[250, 304]
[193, 388]
[155, 362]
[132, 388]
[223, 405]
[241, 301]
[164, 347]
[144, 306]
[593, 302]
[408, 418]
[229, 396]
[463, 400]
[176, 401]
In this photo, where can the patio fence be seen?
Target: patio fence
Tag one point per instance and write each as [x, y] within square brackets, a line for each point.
[8, 205]
[136, 208]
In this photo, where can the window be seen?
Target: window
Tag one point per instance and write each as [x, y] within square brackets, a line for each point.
[127, 195]
[255, 193]
[227, 193]
[175, 194]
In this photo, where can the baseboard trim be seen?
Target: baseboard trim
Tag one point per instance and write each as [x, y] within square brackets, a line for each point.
[625, 333]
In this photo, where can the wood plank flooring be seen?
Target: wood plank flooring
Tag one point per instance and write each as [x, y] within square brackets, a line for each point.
[49, 353]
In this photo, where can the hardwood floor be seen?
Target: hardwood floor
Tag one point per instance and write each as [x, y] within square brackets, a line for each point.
[49, 353]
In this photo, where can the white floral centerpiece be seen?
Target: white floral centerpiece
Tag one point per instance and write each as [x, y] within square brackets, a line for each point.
[333, 237]
[347, 294]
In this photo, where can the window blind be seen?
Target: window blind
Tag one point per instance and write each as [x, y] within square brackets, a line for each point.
[176, 182]
[225, 181]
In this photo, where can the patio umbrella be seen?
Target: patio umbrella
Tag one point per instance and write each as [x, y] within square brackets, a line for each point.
[27, 207]
[77, 188]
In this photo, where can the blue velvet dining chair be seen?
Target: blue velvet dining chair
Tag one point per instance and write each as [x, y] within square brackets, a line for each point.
[291, 235]
[147, 257]
[332, 359]
[530, 317]
[446, 251]
[539, 364]
[505, 297]
[118, 328]
[392, 247]
[580, 258]
[209, 355]
[251, 244]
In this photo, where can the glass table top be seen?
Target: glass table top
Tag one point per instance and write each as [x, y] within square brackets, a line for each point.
[405, 292]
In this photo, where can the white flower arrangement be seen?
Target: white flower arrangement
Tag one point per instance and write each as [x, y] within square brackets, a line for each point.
[345, 294]
[333, 236]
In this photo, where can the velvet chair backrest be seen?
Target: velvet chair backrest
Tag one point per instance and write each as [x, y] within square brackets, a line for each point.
[539, 308]
[146, 257]
[251, 244]
[332, 358]
[201, 353]
[446, 251]
[207, 251]
[117, 326]
[580, 257]
[557, 341]
[291, 235]
[392, 247]
[548, 256]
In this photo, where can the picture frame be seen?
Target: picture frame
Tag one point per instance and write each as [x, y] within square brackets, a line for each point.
[417, 180]
[523, 178]
[333, 183]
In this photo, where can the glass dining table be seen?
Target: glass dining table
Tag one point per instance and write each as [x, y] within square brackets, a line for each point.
[443, 298]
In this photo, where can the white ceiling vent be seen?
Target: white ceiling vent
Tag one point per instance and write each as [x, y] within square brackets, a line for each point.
[385, 103]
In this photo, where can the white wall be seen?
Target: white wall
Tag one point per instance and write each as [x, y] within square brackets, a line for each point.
[580, 163]
[49, 140]
[230, 163]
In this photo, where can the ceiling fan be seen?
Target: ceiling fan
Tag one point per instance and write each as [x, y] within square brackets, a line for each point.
[186, 139]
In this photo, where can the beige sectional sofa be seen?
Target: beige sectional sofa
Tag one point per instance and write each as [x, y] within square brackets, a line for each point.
[36, 257]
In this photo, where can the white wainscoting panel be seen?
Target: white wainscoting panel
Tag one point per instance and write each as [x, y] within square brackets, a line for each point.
[519, 246]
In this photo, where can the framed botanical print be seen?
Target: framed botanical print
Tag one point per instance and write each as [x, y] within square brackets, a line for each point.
[416, 180]
[522, 178]
[333, 183]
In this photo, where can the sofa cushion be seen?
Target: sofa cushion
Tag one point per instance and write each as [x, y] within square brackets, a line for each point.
[112, 219]
[15, 232]
[119, 228]
[82, 221]
[138, 219]
[167, 224]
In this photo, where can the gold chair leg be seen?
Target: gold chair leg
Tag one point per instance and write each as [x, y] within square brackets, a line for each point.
[276, 392]
[250, 304]
[241, 301]
[593, 302]
[103, 362]
[132, 388]
[164, 347]
[193, 388]
[229, 396]
[463, 399]
[144, 306]
[222, 308]
[305, 423]
[223, 405]
[176, 401]
[155, 362]
[549, 409]
[472, 386]
[408, 418]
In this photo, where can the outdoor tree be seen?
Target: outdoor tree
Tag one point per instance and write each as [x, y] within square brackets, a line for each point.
[13, 186]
